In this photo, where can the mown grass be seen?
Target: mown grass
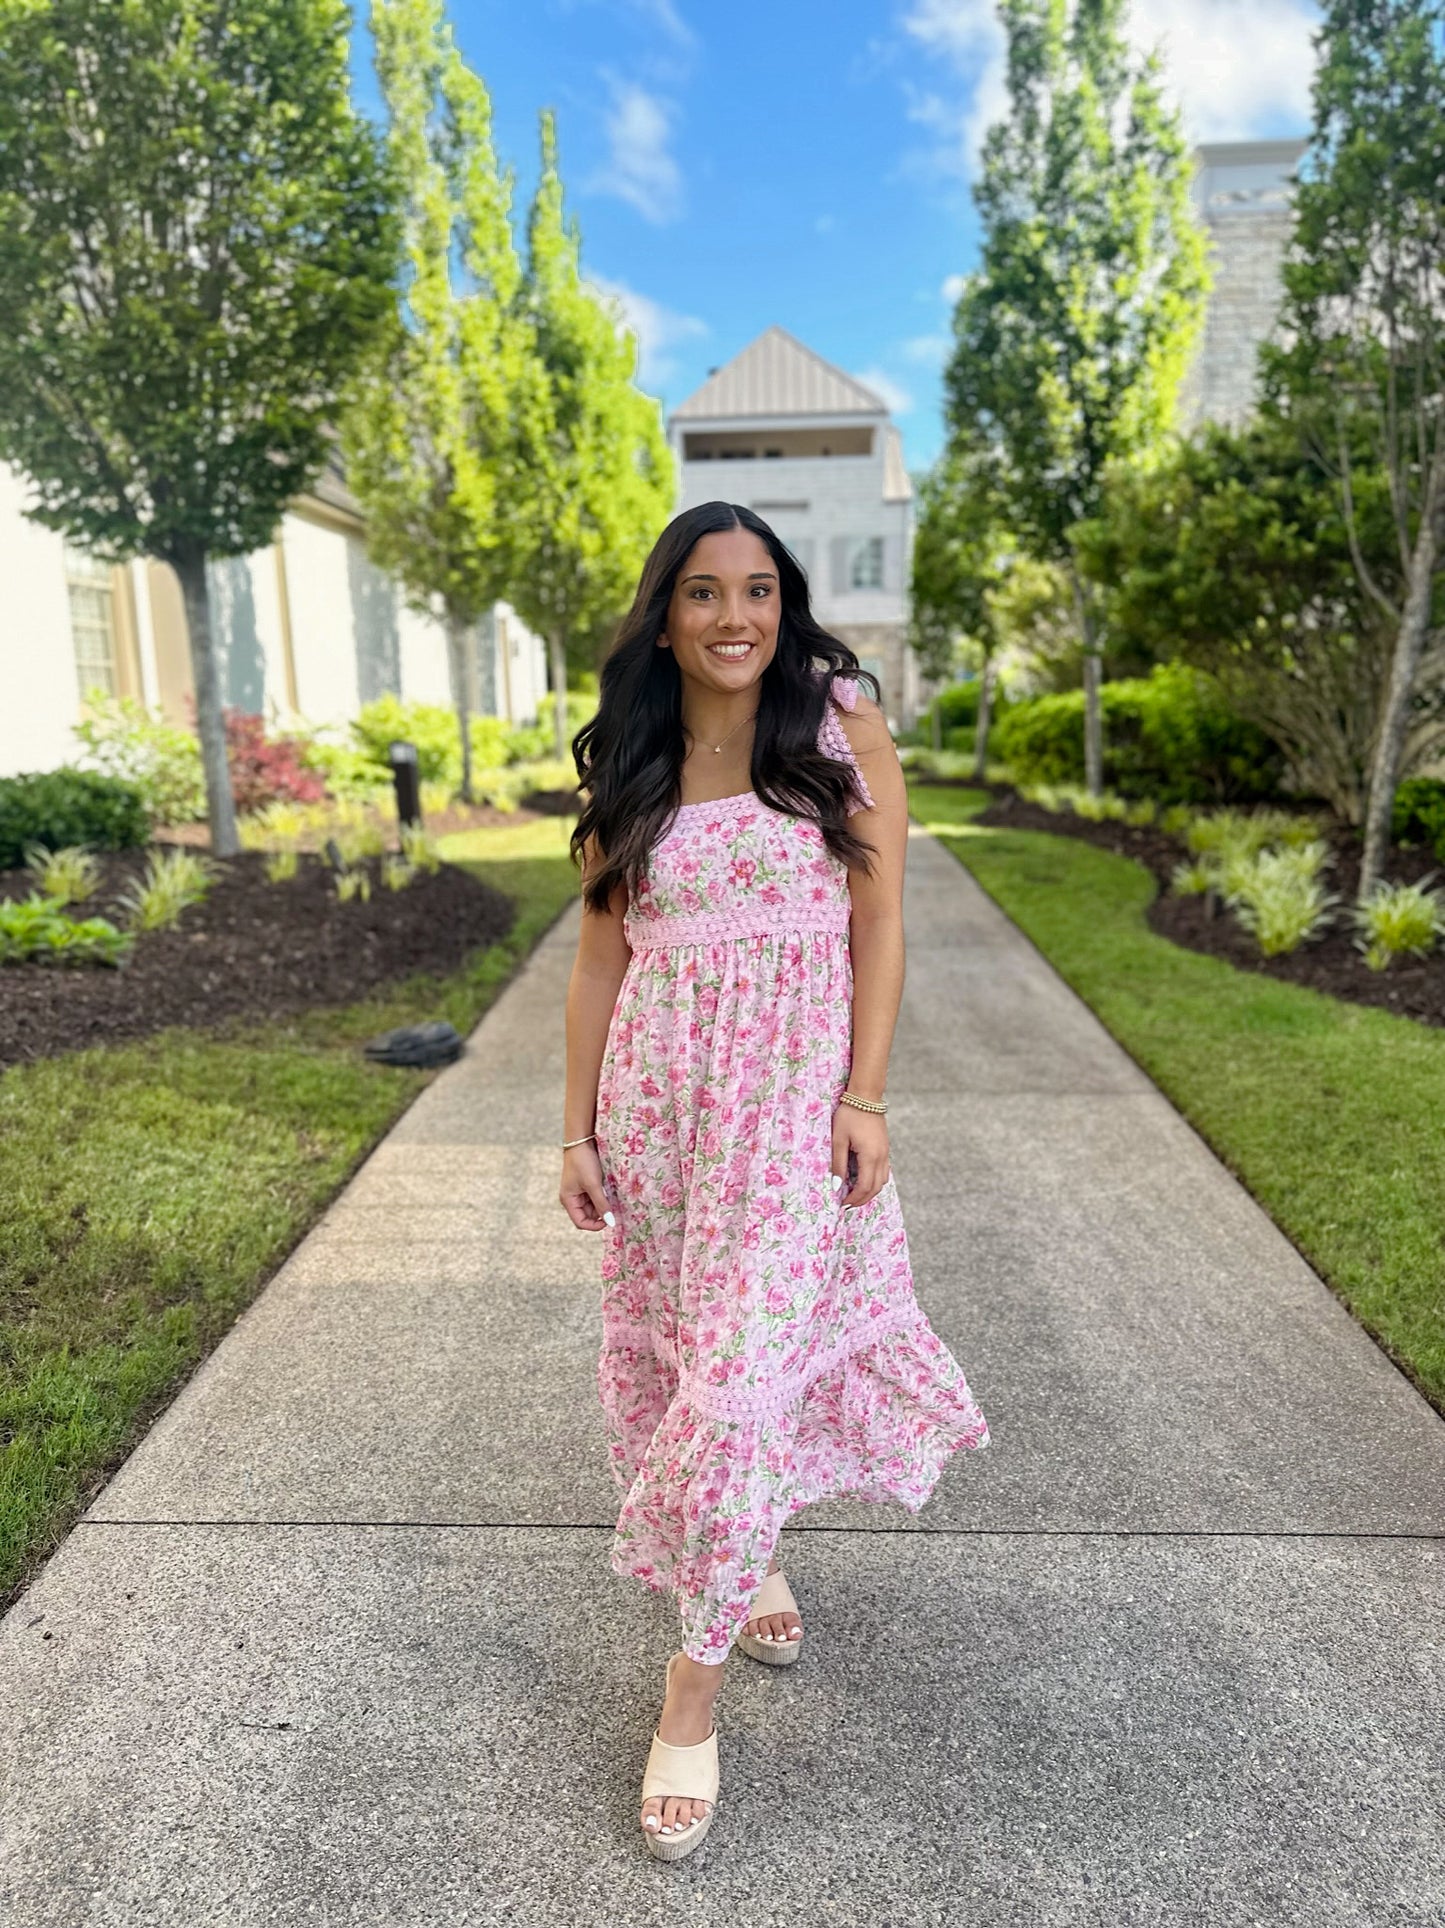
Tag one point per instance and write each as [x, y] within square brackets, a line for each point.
[1331, 1114]
[149, 1190]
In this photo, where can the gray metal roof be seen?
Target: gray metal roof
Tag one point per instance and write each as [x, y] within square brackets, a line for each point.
[778, 375]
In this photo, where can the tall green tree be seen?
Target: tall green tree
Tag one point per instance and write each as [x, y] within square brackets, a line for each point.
[602, 476]
[1074, 335]
[196, 242]
[961, 557]
[1232, 556]
[1364, 327]
[440, 429]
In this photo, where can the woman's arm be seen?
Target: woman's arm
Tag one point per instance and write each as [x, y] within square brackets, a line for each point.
[877, 947]
[602, 958]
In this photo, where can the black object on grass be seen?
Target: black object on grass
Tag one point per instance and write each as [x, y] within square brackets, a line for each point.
[406, 776]
[416, 1046]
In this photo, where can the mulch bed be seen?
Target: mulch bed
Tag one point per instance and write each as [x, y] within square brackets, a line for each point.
[251, 951]
[1410, 987]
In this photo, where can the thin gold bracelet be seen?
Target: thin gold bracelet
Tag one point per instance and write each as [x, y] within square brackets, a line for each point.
[568, 1143]
[863, 1104]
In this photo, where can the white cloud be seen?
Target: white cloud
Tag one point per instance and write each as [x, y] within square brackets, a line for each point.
[952, 289]
[897, 398]
[659, 330]
[662, 13]
[639, 169]
[929, 351]
[1237, 68]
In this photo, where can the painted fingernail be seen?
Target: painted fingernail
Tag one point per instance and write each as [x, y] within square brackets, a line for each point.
[835, 1181]
[608, 1219]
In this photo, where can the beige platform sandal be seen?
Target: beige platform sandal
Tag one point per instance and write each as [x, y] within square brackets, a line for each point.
[688, 1773]
[773, 1596]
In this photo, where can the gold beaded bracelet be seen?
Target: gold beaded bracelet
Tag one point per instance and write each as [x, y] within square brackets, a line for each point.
[863, 1104]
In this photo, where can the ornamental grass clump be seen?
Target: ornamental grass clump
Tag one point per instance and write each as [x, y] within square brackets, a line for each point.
[353, 883]
[282, 866]
[173, 881]
[69, 875]
[419, 847]
[1191, 879]
[1280, 898]
[1399, 920]
[397, 873]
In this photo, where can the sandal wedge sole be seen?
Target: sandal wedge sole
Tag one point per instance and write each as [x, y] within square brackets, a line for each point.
[773, 1596]
[689, 1774]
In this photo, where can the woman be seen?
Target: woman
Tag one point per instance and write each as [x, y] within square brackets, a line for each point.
[729, 1021]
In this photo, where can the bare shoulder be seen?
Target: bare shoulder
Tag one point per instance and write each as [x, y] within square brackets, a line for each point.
[865, 725]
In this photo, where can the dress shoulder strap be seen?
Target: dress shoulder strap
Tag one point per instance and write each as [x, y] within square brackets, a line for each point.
[833, 738]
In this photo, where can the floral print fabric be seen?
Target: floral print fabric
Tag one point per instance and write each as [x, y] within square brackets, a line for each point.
[762, 1347]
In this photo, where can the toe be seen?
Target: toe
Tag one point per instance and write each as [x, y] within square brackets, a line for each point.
[652, 1814]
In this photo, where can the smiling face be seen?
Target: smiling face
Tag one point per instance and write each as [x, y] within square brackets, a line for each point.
[723, 615]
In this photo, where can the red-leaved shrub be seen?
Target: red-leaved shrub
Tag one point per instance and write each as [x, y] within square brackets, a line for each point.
[265, 769]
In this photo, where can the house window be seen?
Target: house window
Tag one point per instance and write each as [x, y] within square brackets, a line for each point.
[89, 584]
[867, 566]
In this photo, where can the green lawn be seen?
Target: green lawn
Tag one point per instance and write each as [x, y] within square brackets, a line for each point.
[150, 1189]
[1332, 1115]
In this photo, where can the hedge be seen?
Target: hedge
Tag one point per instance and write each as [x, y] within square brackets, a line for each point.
[1170, 736]
[69, 806]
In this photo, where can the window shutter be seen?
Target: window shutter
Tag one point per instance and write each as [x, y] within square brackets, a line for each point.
[839, 548]
[893, 563]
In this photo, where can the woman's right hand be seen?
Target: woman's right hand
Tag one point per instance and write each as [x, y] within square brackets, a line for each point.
[584, 1199]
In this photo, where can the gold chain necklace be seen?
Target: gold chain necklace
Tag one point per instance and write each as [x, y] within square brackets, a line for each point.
[731, 733]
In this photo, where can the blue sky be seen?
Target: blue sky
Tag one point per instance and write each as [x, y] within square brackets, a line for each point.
[808, 162]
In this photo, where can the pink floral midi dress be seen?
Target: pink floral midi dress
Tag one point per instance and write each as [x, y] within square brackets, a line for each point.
[762, 1347]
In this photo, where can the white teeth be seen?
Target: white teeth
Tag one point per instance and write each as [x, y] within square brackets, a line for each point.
[730, 650]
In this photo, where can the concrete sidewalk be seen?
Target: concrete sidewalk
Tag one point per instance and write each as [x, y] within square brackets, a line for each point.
[339, 1645]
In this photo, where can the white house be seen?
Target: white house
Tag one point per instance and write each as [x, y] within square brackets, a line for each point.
[815, 454]
[307, 628]
[1244, 197]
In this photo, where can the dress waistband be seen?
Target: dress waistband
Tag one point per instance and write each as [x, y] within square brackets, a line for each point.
[711, 927]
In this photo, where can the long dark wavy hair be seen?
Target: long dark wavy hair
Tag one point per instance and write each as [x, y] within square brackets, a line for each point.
[629, 756]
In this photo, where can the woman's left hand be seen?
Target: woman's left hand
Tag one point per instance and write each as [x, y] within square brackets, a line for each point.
[865, 1133]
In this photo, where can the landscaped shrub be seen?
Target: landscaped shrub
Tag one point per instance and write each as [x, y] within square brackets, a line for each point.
[267, 769]
[121, 738]
[69, 806]
[430, 726]
[1169, 736]
[35, 929]
[956, 705]
[496, 744]
[1419, 813]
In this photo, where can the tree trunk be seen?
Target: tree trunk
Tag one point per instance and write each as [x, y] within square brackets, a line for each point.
[1093, 725]
[1093, 677]
[985, 717]
[557, 660]
[1395, 711]
[190, 570]
[457, 669]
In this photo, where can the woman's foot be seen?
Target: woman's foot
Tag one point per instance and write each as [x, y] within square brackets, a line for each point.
[775, 1626]
[686, 1719]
